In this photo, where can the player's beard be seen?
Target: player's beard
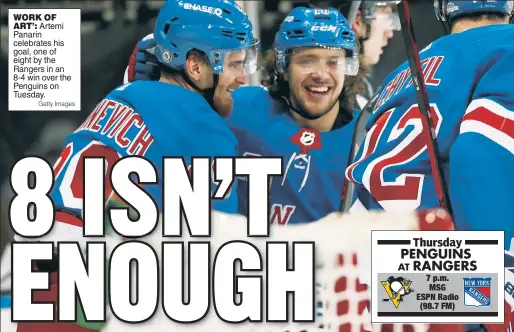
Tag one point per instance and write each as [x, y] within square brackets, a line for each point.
[222, 101]
[310, 110]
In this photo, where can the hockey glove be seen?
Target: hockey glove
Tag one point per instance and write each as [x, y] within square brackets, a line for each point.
[143, 65]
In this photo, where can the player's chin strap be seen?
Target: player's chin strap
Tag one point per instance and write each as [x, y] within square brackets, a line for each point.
[208, 93]
[411, 47]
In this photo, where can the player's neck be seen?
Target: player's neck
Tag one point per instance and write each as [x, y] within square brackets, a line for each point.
[466, 24]
[322, 124]
[176, 81]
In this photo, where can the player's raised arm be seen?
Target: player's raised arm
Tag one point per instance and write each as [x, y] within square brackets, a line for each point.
[482, 157]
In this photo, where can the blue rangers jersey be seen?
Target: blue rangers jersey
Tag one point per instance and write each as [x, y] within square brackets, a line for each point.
[143, 118]
[313, 162]
[469, 78]
[509, 289]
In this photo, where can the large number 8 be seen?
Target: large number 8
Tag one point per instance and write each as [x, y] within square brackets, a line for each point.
[31, 211]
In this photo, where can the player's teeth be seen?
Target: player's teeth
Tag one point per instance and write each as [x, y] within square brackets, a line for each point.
[318, 89]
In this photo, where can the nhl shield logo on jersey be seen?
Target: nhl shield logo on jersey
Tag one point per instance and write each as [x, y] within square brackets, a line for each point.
[307, 139]
[396, 289]
[477, 292]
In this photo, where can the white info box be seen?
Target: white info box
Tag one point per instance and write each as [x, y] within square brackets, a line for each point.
[44, 59]
[437, 277]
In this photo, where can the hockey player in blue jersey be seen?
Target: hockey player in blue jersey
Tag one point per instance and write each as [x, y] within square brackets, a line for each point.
[200, 64]
[306, 115]
[468, 76]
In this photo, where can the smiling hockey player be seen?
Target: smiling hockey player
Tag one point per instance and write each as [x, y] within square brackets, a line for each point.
[307, 113]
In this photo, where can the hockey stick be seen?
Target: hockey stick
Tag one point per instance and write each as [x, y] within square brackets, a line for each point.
[359, 132]
[411, 47]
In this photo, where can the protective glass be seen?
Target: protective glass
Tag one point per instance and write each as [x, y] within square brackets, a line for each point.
[310, 63]
[389, 21]
[237, 62]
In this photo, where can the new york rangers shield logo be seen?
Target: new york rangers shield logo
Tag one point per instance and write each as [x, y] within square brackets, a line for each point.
[477, 292]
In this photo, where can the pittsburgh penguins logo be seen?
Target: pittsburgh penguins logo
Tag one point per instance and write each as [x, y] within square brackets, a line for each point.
[396, 289]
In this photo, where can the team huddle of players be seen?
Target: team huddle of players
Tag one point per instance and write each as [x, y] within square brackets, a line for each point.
[307, 112]
[186, 96]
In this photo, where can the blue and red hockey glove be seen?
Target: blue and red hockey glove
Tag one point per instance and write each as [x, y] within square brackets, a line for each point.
[143, 65]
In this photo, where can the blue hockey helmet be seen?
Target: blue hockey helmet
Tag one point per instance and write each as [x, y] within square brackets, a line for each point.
[214, 27]
[447, 11]
[315, 27]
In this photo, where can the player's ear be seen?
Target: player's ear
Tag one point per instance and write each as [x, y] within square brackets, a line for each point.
[194, 65]
[357, 24]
